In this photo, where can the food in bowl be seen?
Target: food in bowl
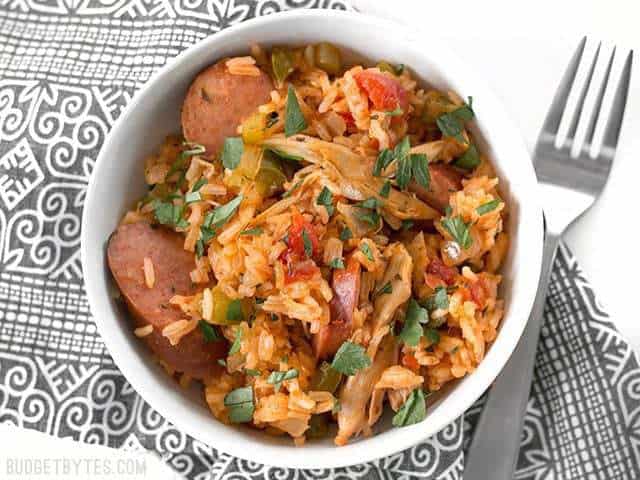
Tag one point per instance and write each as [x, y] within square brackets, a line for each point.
[321, 240]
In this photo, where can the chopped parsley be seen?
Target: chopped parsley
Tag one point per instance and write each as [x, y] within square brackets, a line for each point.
[235, 346]
[202, 181]
[294, 121]
[420, 169]
[488, 207]
[208, 332]
[308, 245]
[403, 159]
[385, 190]
[459, 230]
[439, 300]
[167, 213]
[221, 215]
[346, 234]
[385, 157]
[326, 200]
[252, 231]
[414, 410]
[369, 212]
[337, 263]
[192, 197]
[350, 358]
[366, 249]
[178, 165]
[412, 329]
[384, 290]
[234, 311]
[232, 152]
[469, 159]
[252, 372]
[406, 225]
[239, 403]
[276, 378]
[451, 124]
[432, 335]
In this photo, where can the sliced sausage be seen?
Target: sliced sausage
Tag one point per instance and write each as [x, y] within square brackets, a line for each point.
[346, 289]
[445, 179]
[127, 248]
[218, 101]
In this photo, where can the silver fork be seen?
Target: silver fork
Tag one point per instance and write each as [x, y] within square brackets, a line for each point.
[568, 187]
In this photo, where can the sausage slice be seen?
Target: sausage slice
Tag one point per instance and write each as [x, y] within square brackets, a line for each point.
[346, 289]
[127, 248]
[444, 180]
[217, 102]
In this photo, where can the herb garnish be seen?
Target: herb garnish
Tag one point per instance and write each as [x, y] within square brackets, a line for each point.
[308, 245]
[459, 230]
[385, 189]
[326, 199]
[419, 169]
[432, 335]
[232, 152]
[412, 329]
[451, 124]
[413, 410]
[252, 372]
[239, 403]
[384, 290]
[406, 225]
[221, 215]
[366, 249]
[252, 231]
[294, 121]
[488, 207]
[276, 378]
[438, 301]
[469, 159]
[192, 149]
[208, 332]
[346, 234]
[350, 358]
[169, 214]
[385, 157]
[337, 263]
[235, 347]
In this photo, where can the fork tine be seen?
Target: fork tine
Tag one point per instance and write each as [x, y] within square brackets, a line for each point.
[552, 120]
[612, 130]
[593, 121]
[571, 133]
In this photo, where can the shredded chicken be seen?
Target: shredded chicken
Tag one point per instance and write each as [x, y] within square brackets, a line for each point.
[398, 273]
[357, 390]
[355, 174]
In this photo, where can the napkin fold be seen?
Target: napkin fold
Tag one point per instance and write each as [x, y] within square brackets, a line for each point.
[67, 68]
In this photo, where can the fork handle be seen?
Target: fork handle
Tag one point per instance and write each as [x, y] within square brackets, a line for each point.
[496, 441]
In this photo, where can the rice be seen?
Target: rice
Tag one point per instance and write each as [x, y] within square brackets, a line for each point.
[143, 331]
[243, 66]
[149, 273]
[178, 329]
[252, 256]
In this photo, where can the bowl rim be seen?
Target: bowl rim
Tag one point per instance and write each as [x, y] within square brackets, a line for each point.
[380, 445]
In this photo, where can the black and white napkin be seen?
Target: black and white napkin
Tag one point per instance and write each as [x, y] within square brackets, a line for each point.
[67, 69]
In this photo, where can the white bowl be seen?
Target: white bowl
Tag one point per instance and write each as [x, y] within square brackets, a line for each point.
[154, 112]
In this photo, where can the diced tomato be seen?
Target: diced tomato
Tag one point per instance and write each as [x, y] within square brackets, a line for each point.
[439, 269]
[348, 119]
[384, 92]
[478, 295]
[295, 240]
[296, 270]
[409, 361]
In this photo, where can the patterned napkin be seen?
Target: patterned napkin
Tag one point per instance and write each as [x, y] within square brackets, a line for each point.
[67, 68]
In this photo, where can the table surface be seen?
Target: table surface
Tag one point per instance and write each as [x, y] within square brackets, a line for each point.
[521, 49]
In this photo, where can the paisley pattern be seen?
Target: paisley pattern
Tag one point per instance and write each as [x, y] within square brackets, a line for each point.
[67, 68]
